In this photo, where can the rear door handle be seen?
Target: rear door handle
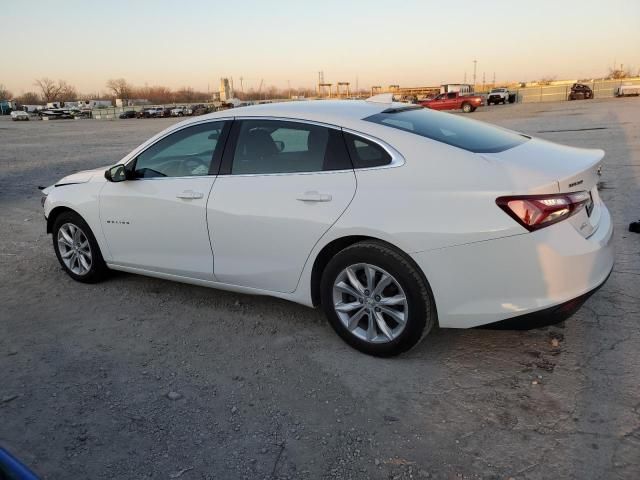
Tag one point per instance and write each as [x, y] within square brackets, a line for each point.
[314, 197]
[190, 195]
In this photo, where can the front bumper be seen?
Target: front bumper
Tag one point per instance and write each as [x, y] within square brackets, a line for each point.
[490, 281]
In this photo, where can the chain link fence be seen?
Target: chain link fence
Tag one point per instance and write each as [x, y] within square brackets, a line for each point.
[558, 93]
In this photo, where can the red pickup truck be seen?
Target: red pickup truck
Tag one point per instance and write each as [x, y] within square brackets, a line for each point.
[453, 101]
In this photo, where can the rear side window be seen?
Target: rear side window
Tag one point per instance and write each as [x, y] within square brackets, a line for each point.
[471, 135]
[365, 153]
[277, 146]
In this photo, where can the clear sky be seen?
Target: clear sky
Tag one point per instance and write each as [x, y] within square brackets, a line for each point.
[411, 43]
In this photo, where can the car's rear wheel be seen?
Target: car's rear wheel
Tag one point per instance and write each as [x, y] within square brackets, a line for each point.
[467, 108]
[376, 299]
[77, 249]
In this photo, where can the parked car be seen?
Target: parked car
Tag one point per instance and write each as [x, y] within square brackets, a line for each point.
[454, 101]
[146, 113]
[163, 112]
[198, 109]
[580, 91]
[178, 111]
[500, 95]
[128, 114]
[425, 218]
[19, 115]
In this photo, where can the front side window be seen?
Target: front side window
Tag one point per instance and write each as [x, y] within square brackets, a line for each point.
[279, 146]
[187, 152]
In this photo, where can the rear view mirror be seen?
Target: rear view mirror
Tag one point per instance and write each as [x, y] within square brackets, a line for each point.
[279, 145]
[116, 174]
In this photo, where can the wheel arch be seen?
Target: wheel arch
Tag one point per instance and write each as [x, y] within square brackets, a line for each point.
[53, 214]
[338, 244]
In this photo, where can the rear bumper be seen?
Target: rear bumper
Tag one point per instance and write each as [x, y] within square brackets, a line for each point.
[491, 281]
[546, 317]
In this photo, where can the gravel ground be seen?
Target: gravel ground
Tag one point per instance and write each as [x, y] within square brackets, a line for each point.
[144, 378]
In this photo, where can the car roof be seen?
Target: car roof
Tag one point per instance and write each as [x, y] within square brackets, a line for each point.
[334, 112]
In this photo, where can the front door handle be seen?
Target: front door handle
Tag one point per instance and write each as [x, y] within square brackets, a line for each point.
[190, 195]
[314, 197]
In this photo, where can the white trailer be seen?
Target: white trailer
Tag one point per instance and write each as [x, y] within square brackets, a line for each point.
[461, 88]
[628, 90]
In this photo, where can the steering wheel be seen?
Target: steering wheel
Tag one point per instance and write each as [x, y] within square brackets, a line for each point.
[190, 164]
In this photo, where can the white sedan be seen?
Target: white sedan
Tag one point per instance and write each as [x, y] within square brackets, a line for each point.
[391, 217]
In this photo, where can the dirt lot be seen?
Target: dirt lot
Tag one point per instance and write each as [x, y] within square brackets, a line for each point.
[267, 390]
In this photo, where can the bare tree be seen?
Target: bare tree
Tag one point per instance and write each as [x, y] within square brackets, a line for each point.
[120, 88]
[28, 98]
[156, 94]
[5, 93]
[185, 94]
[49, 90]
[618, 73]
[66, 92]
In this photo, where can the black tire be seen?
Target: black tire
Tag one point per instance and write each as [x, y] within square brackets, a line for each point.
[422, 314]
[467, 108]
[98, 269]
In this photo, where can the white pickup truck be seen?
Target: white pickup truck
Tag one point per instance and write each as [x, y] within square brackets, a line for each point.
[498, 95]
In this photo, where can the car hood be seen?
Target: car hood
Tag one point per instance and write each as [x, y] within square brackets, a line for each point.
[81, 177]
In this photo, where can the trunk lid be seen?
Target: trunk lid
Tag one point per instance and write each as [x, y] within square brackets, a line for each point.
[538, 167]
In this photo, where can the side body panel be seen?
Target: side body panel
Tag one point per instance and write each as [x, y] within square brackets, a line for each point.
[147, 224]
[261, 229]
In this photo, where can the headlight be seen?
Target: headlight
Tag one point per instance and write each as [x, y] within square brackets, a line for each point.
[45, 191]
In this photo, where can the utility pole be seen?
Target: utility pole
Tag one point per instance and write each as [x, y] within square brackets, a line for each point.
[289, 85]
[465, 77]
[494, 80]
[475, 64]
[241, 86]
[483, 81]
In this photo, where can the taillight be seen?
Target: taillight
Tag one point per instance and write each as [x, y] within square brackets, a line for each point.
[538, 211]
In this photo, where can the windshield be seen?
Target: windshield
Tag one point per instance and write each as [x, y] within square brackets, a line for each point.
[471, 135]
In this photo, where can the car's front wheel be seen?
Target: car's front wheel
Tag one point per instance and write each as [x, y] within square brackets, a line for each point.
[467, 108]
[77, 249]
[376, 299]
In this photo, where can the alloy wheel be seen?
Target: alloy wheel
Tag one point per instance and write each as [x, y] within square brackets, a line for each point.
[74, 248]
[370, 303]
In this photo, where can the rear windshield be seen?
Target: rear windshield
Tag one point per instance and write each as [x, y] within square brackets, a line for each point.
[451, 129]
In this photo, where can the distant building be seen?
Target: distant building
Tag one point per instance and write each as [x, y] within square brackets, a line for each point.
[226, 92]
[130, 102]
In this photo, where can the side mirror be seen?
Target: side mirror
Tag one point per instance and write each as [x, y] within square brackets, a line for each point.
[116, 174]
